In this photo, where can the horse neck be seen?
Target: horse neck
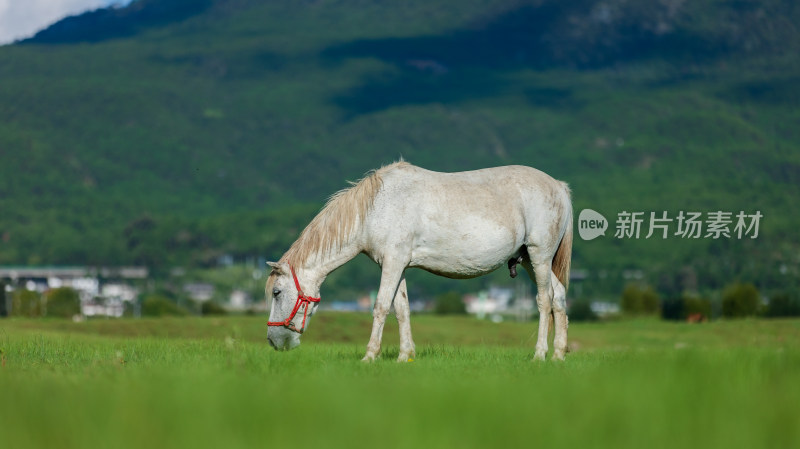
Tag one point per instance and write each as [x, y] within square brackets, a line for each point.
[320, 265]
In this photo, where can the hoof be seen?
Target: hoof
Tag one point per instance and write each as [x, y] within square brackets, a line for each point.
[558, 355]
[368, 358]
[406, 357]
[538, 357]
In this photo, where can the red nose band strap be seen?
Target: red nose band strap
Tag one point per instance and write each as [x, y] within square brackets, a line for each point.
[302, 300]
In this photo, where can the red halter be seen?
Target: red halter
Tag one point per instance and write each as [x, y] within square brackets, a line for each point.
[303, 300]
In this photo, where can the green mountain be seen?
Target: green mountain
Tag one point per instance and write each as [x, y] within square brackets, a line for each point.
[171, 132]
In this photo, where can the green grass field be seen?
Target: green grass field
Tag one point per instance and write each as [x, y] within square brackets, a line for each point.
[214, 383]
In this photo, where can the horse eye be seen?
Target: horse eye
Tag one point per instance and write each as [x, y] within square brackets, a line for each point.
[275, 292]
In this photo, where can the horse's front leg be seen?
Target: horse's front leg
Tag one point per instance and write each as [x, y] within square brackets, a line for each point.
[390, 279]
[403, 312]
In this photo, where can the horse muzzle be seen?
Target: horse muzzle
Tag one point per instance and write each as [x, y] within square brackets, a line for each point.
[283, 339]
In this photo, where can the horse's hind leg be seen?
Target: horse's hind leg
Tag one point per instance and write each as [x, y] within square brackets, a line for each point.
[544, 300]
[390, 279]
[560, 318]
[403, 313]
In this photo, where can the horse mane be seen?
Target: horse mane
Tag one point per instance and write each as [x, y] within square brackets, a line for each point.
[337, 220]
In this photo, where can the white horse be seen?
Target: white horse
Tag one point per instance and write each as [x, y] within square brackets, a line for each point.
[458, 225]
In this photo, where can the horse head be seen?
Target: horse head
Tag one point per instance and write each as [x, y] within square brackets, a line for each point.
[291, 308]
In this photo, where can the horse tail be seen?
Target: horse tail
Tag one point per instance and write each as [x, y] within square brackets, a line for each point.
[563, 256]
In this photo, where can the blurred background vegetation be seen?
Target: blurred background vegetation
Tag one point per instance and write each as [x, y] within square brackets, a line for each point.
[177, 133]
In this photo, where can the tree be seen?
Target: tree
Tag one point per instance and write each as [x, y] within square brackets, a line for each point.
[686, 306]
[450, 303]
[740, 300]
[639, 299]
[695, 306]
[158, 305]
[63, 302]
[582, 311]
[783, 304]
[3, 305]
[212, 308]
[26, 303]
[145, 243]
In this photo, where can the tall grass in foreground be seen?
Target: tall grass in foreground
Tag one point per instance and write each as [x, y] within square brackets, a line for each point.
[77, 391]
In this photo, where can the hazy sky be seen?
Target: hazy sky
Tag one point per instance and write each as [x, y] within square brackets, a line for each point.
[23, 18]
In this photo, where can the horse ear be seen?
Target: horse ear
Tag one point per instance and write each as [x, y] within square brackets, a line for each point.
[277, 267]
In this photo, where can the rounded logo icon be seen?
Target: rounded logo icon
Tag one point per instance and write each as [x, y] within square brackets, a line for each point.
[591, 224]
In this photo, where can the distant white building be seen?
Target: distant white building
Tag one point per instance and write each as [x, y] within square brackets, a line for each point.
[489, 302]
[98, 298]
[107, 300]
[199, 291]
[123, 292]
[602, 308]
[88, 288]
[111, 307]
[239, 300]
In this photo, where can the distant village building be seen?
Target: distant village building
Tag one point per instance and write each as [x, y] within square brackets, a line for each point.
[239, 300]
[603, 308]
[518, 302]
[123, 292]
[110, 307]
[199, 291]
[103, 291]
[492, 302]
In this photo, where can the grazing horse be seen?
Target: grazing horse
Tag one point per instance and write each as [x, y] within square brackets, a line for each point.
[457, 225]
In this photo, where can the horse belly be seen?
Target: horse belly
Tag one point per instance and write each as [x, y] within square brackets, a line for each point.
[469, 248]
